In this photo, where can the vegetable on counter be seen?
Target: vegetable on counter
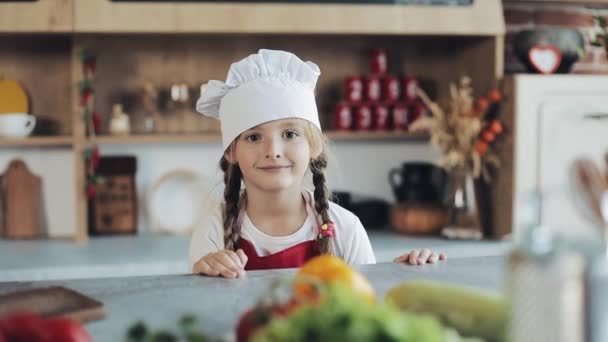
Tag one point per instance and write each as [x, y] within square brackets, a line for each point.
[339, 304]
[30, 327]
[329, 269]
[342, 316]
[471, 312]
[140, 332]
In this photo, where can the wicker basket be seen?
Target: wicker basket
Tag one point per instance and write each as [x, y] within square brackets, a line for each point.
[417, 219]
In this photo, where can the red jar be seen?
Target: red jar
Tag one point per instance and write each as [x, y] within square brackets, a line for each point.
[391, 88]
[353, 89]
[399, 117]
[417, 110]
[373, 89]
[380, 117]
[363, 117]
[343, 117]
[379, 62]
[410, 89]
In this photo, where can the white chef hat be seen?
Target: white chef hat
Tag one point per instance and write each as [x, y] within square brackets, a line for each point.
[263, 87]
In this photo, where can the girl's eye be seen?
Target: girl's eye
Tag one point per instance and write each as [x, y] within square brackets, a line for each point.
[290, 134]
[253, 137]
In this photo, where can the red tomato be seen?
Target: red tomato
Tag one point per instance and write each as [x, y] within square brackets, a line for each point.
[481, 147]
[481, 106]
[250, 321]
[488, 136]
[24, 327]
[257, 317]
[67, 330]
[495, 95]
[496, 127]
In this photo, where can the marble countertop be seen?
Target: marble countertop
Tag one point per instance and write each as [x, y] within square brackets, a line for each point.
[121, 256]
[217, 302]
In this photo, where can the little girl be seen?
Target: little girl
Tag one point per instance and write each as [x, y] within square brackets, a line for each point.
[271, 137]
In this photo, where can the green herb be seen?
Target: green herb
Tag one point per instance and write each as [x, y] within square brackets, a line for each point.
[187, 331]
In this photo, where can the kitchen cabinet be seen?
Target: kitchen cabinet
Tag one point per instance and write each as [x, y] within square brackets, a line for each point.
[557, 119]
[192, 42]
[44, 16]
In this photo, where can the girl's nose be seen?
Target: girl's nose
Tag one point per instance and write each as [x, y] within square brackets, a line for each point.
[273, 148]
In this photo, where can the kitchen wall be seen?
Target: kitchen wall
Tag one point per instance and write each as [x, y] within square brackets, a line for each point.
[359, 167]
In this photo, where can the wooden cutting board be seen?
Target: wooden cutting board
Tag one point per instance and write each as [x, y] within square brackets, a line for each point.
[54, 301]
[21, 201]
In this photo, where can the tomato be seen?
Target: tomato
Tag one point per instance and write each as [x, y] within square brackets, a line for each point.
[481, 147]
[481, 106]
[67, 330]
[24, 327]
[488, 136]
[259, 316]
[496, 127]
[495, 95]
[331, 269]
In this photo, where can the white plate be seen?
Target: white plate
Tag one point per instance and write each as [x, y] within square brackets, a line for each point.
[177, 202]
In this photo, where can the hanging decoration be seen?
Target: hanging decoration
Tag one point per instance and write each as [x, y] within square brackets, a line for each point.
[92, 120]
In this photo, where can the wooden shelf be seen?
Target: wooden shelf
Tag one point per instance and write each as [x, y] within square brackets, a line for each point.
[53, 141]
[482, 18]
[373, 136]
[54, 16]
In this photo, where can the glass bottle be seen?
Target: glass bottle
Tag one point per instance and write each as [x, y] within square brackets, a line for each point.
[462, 213]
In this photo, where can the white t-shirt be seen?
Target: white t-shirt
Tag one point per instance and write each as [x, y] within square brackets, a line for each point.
[350, 242]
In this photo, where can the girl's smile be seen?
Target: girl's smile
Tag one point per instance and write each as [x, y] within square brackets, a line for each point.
[274, 168]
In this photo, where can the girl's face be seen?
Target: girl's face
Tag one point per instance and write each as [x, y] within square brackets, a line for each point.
[274, 156]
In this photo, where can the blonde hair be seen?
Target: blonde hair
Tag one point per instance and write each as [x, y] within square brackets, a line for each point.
[233, 198]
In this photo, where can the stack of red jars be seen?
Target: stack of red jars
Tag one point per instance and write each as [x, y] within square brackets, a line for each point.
[379, 101]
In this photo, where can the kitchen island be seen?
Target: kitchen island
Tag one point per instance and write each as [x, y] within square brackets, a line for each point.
[154, 254]
[160, 300]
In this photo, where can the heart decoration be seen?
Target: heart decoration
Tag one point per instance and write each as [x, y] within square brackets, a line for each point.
[545, 58]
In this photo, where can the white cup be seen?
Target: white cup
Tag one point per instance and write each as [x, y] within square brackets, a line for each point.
[16, 125]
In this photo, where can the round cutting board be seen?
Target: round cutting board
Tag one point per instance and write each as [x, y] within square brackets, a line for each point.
[177, 202]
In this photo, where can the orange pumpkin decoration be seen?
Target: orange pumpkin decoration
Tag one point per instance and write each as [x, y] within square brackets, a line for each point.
[13, 98]
[330, 269]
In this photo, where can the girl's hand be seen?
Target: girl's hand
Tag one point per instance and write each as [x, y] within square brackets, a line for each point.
[226, 263]
[422, 257]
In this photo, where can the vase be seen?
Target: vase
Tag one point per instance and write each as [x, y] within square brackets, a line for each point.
[463, 219]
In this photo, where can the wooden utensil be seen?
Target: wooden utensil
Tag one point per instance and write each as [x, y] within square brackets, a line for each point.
[21, 201]
[53, 301]
[591, 190]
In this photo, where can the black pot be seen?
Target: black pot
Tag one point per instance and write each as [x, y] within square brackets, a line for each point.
[418, 182]
[569, 41]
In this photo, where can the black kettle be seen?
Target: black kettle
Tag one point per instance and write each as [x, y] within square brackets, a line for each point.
[420, 182]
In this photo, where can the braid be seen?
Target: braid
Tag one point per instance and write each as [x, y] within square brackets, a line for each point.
[232, 181]
[321, 194]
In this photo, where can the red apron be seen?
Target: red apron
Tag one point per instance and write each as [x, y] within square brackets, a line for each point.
[294, 256]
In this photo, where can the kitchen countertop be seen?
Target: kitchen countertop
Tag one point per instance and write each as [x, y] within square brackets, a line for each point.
[217, 302]
[147, 254]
